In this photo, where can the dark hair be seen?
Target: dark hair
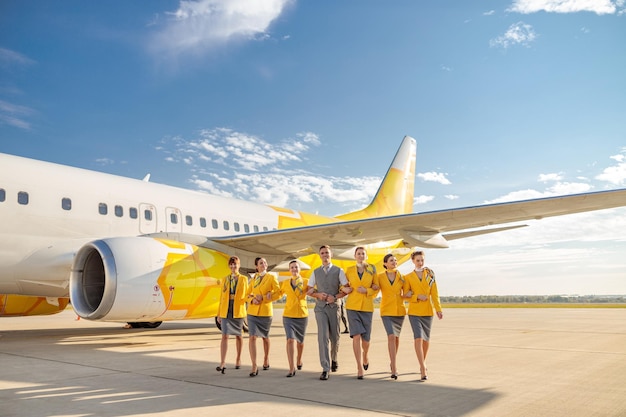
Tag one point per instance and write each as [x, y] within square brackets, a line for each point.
[234, 260]
[324, 247]
[359, 247]
[256, 261]
[416, 253]
[386, 258]
[294, 261]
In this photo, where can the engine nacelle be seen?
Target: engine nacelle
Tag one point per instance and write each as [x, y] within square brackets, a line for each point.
[142, 279]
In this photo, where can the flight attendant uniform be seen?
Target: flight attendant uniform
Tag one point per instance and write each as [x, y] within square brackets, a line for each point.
[392, 310]
[232, 309]
[421, 312]
[260, 315]
[360, 306]
[296, 312]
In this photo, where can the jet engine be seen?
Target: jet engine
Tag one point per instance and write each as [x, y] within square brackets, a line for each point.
[142, 279]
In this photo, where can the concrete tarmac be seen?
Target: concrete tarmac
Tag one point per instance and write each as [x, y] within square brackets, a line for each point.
[482, 362]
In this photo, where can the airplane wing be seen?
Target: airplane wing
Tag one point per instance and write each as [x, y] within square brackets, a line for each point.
[427, 229]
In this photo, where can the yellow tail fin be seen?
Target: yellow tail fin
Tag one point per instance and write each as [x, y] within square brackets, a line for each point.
[395, 195]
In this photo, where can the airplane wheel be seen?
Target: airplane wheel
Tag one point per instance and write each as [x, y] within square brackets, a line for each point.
[145, 324]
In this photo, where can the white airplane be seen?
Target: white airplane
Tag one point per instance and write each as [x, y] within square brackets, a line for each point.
[132, 251]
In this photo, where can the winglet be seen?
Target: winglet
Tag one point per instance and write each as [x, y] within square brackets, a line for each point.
[395, 195]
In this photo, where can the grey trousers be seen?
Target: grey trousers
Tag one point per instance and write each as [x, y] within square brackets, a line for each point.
[328, 331]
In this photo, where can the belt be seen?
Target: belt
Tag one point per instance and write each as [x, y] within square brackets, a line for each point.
[231, 297]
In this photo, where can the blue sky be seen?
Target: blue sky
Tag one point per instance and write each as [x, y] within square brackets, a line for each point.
[303, 104]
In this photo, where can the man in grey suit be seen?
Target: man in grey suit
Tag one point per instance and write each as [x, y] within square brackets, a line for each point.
[325, 286]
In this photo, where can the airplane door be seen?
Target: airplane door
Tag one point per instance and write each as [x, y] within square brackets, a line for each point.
[173, 220]
[147, 219]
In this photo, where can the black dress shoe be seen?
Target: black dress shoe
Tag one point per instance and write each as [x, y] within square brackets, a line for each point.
[324, 376]
[333, 366]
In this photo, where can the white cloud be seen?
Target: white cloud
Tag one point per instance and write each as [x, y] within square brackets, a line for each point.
[423, 199]
[560, 188]
[270, 173]
[489, 13]
[9, 57]
[227, 147]
[15, 115]
[566, 6]
[198, 27]
[518, 33]
[451, 197]
[615, 174]
[434, 177]
[550, 177]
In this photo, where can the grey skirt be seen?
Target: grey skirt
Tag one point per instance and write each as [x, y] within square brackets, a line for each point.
[295, 328]
[360, 323]
[230, 325]
[259, 326]
[421, 326]
[393, 325]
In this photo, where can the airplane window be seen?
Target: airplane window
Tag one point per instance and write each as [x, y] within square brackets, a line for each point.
[188, 220]
[103, 209]
[264, 229]
[236, 227]
[173, 218]
[66, 203]
[147, 214]
[22, 197]
[3, 195]
[119, 211]
[214, 223]
[256, 228]
[226, 225]
[246, 228]
[132, 212]
[202, 222]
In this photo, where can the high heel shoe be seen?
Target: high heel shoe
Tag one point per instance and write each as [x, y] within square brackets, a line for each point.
[359, 377]
[290, 374]
[266, 367]
[424, 378]
[299, 367]
[255, 373]
[221, 369]
[365, 366]
[394, 376]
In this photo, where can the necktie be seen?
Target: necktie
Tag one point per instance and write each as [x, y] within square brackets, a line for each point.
[325, 269]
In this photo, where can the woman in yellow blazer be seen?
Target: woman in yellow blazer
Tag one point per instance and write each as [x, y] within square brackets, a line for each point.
[263, 290]
[424, 296]
[295, 315]
[232, 311]
[360, 307]
[392, 310]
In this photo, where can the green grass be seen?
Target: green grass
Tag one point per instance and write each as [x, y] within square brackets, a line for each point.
[533, 305]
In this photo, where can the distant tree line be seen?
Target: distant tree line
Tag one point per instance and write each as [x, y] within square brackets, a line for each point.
[538, 299]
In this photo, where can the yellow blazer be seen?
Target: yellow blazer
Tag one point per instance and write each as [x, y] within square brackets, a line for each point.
[357, 301]
[269, 283]
[391, 303]
[295, 304]
[426, 286]
[240, 297]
